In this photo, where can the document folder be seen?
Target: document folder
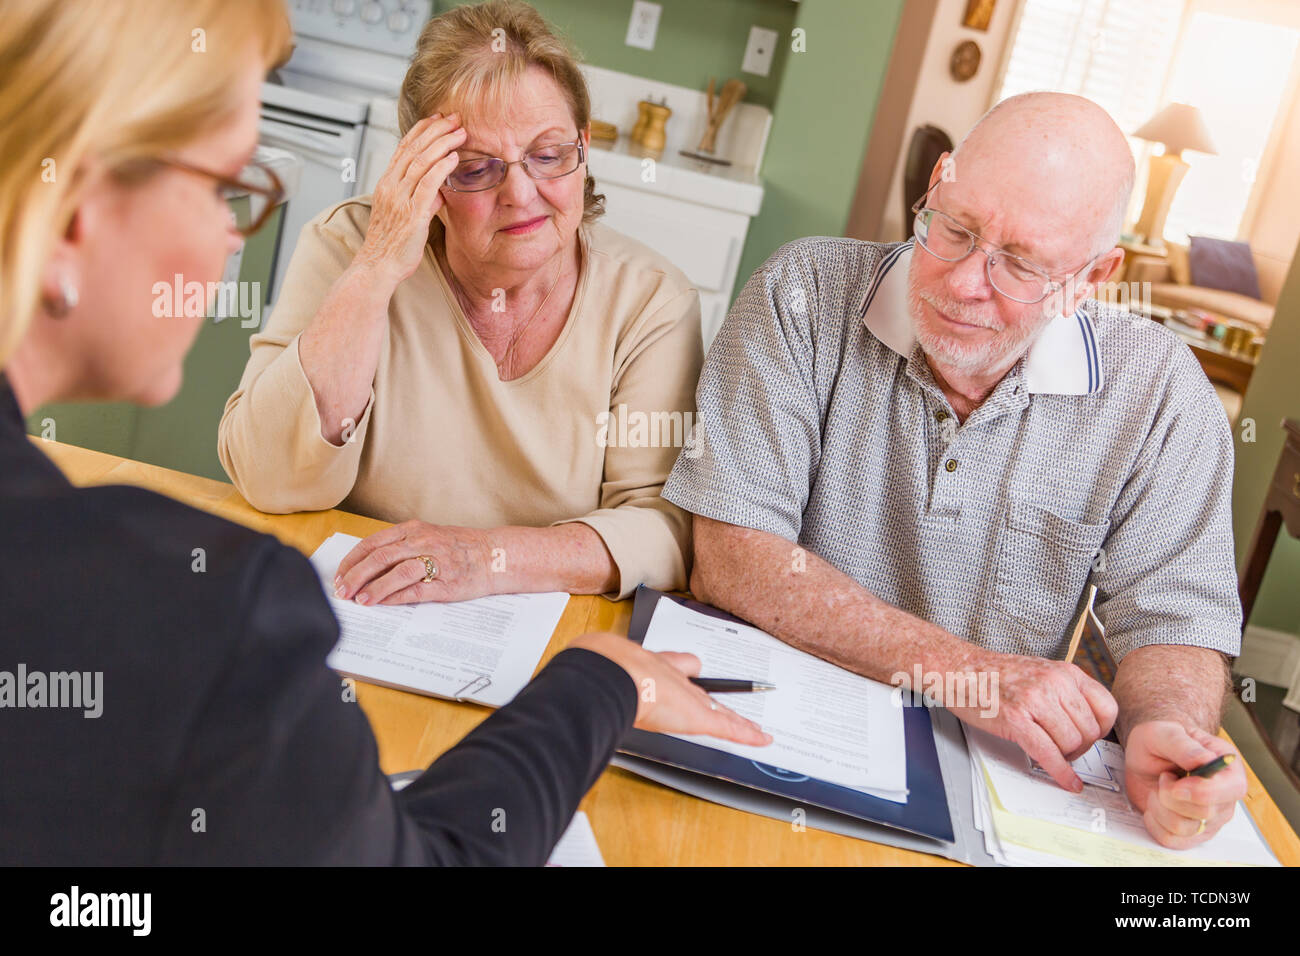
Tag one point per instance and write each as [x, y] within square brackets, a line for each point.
[925, 812]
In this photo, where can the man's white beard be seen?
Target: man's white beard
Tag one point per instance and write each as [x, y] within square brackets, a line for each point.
[952, 353]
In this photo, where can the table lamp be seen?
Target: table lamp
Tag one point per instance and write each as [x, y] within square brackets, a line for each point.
[1179, 127]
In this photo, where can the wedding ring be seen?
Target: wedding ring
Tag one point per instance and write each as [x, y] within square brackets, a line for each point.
[1202, 829]
[430, 569]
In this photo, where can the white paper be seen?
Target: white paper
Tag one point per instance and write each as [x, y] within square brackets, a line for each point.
[1102, 765]
[826, 722]
[1027, 794]
[484, 650]
[578, 846]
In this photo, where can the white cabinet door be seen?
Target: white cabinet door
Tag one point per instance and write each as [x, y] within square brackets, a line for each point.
[704, 242]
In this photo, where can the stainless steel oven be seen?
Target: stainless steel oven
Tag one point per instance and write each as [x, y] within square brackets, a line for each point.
[329, 151]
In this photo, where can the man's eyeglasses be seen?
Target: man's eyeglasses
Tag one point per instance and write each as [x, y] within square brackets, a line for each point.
[545, 162]
[259, 183]
[1016, 278]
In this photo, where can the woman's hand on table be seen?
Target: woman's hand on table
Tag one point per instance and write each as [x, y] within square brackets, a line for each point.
[408, 196]
[667, 702]
[388, 566]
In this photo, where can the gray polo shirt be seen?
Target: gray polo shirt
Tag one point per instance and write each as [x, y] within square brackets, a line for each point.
[1103, 456]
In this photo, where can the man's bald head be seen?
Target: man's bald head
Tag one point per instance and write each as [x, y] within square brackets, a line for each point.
[1055, 156]
[1044, 177]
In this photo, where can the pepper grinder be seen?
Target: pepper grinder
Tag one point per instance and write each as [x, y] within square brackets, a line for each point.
[650, 131]
[642, 121]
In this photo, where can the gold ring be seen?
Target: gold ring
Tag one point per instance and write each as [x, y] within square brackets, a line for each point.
[1202, 829]
[430, 569]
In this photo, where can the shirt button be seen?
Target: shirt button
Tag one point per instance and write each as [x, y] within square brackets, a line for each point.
[950, 464]
[941, 416]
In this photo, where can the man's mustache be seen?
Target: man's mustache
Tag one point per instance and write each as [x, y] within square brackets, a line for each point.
[959, 312]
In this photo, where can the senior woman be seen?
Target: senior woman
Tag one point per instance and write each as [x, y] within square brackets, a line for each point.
[447, 349]
[218, 735]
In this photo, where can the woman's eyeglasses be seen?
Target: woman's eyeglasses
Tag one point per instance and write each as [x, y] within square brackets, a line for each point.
[255, 181]
[545, 162]
[1018, 279]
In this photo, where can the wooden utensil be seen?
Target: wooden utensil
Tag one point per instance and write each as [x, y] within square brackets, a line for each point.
[601, 130]
[732, 92]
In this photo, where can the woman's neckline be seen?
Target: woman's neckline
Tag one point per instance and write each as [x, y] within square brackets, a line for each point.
[476, 345]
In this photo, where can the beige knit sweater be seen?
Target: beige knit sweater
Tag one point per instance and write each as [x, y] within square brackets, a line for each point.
[588, 435]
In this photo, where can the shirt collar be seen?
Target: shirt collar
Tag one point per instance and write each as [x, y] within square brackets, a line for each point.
[1063, 360]
[23, 466]
[10, 413]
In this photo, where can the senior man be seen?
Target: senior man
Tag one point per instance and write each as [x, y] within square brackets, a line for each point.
[917, 456]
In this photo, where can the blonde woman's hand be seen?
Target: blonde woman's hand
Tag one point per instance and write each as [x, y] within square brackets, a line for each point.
[667, 702]
[407, 197]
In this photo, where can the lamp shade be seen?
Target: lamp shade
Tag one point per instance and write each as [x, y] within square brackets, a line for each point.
[1179, 127]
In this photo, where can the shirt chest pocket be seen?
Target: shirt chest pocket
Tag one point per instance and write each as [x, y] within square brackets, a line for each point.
[1043, 564]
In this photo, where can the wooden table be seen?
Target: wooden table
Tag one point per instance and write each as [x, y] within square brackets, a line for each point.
[1221, 364]
[637, 823]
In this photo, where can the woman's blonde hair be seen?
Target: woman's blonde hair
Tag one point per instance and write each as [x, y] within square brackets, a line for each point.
[111, 83]
[470, 58]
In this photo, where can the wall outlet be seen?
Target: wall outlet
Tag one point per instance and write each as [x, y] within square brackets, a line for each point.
[759, 51]
[643, 26]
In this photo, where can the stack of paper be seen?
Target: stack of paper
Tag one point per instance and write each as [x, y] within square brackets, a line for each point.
[577, 847]
[1028, 820]
[484, 650]
[826, 722]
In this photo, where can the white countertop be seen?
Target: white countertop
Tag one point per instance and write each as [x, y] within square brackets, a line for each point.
[733, 188]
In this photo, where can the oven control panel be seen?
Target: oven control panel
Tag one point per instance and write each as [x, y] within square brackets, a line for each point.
[381, 26]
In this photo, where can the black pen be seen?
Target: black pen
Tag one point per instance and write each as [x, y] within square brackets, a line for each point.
[1213, 767]
[725, 685]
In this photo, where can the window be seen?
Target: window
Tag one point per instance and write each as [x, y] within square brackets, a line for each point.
[1235, 72]
[1128, 58]
[1115, 53]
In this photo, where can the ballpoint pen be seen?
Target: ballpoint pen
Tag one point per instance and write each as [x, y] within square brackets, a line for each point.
[1213, 767]
[723, 685]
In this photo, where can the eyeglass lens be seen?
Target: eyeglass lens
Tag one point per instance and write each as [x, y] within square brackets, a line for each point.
[946, 239]
[261, 199]
[547, 162]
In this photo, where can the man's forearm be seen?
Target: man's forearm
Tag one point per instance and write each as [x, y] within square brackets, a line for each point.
[811, 605]
[1171, 682]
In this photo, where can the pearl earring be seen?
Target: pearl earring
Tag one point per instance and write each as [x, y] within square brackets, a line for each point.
[68, 299]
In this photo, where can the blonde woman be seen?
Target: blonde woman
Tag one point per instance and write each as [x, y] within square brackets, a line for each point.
[445, 352]
[120, 143]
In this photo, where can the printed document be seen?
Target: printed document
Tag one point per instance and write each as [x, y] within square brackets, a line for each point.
[1027, 819]
[825, 722]
[484, 650]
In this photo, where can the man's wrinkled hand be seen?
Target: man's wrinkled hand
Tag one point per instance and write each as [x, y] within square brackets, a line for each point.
[1180, 812]
[1052, 709]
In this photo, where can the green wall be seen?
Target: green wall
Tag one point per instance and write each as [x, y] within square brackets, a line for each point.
[696, 39]
[1274, 394]
[822, 118]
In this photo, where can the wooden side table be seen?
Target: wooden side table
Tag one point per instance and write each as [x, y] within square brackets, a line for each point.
[1221, 364]
[1281, 507]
